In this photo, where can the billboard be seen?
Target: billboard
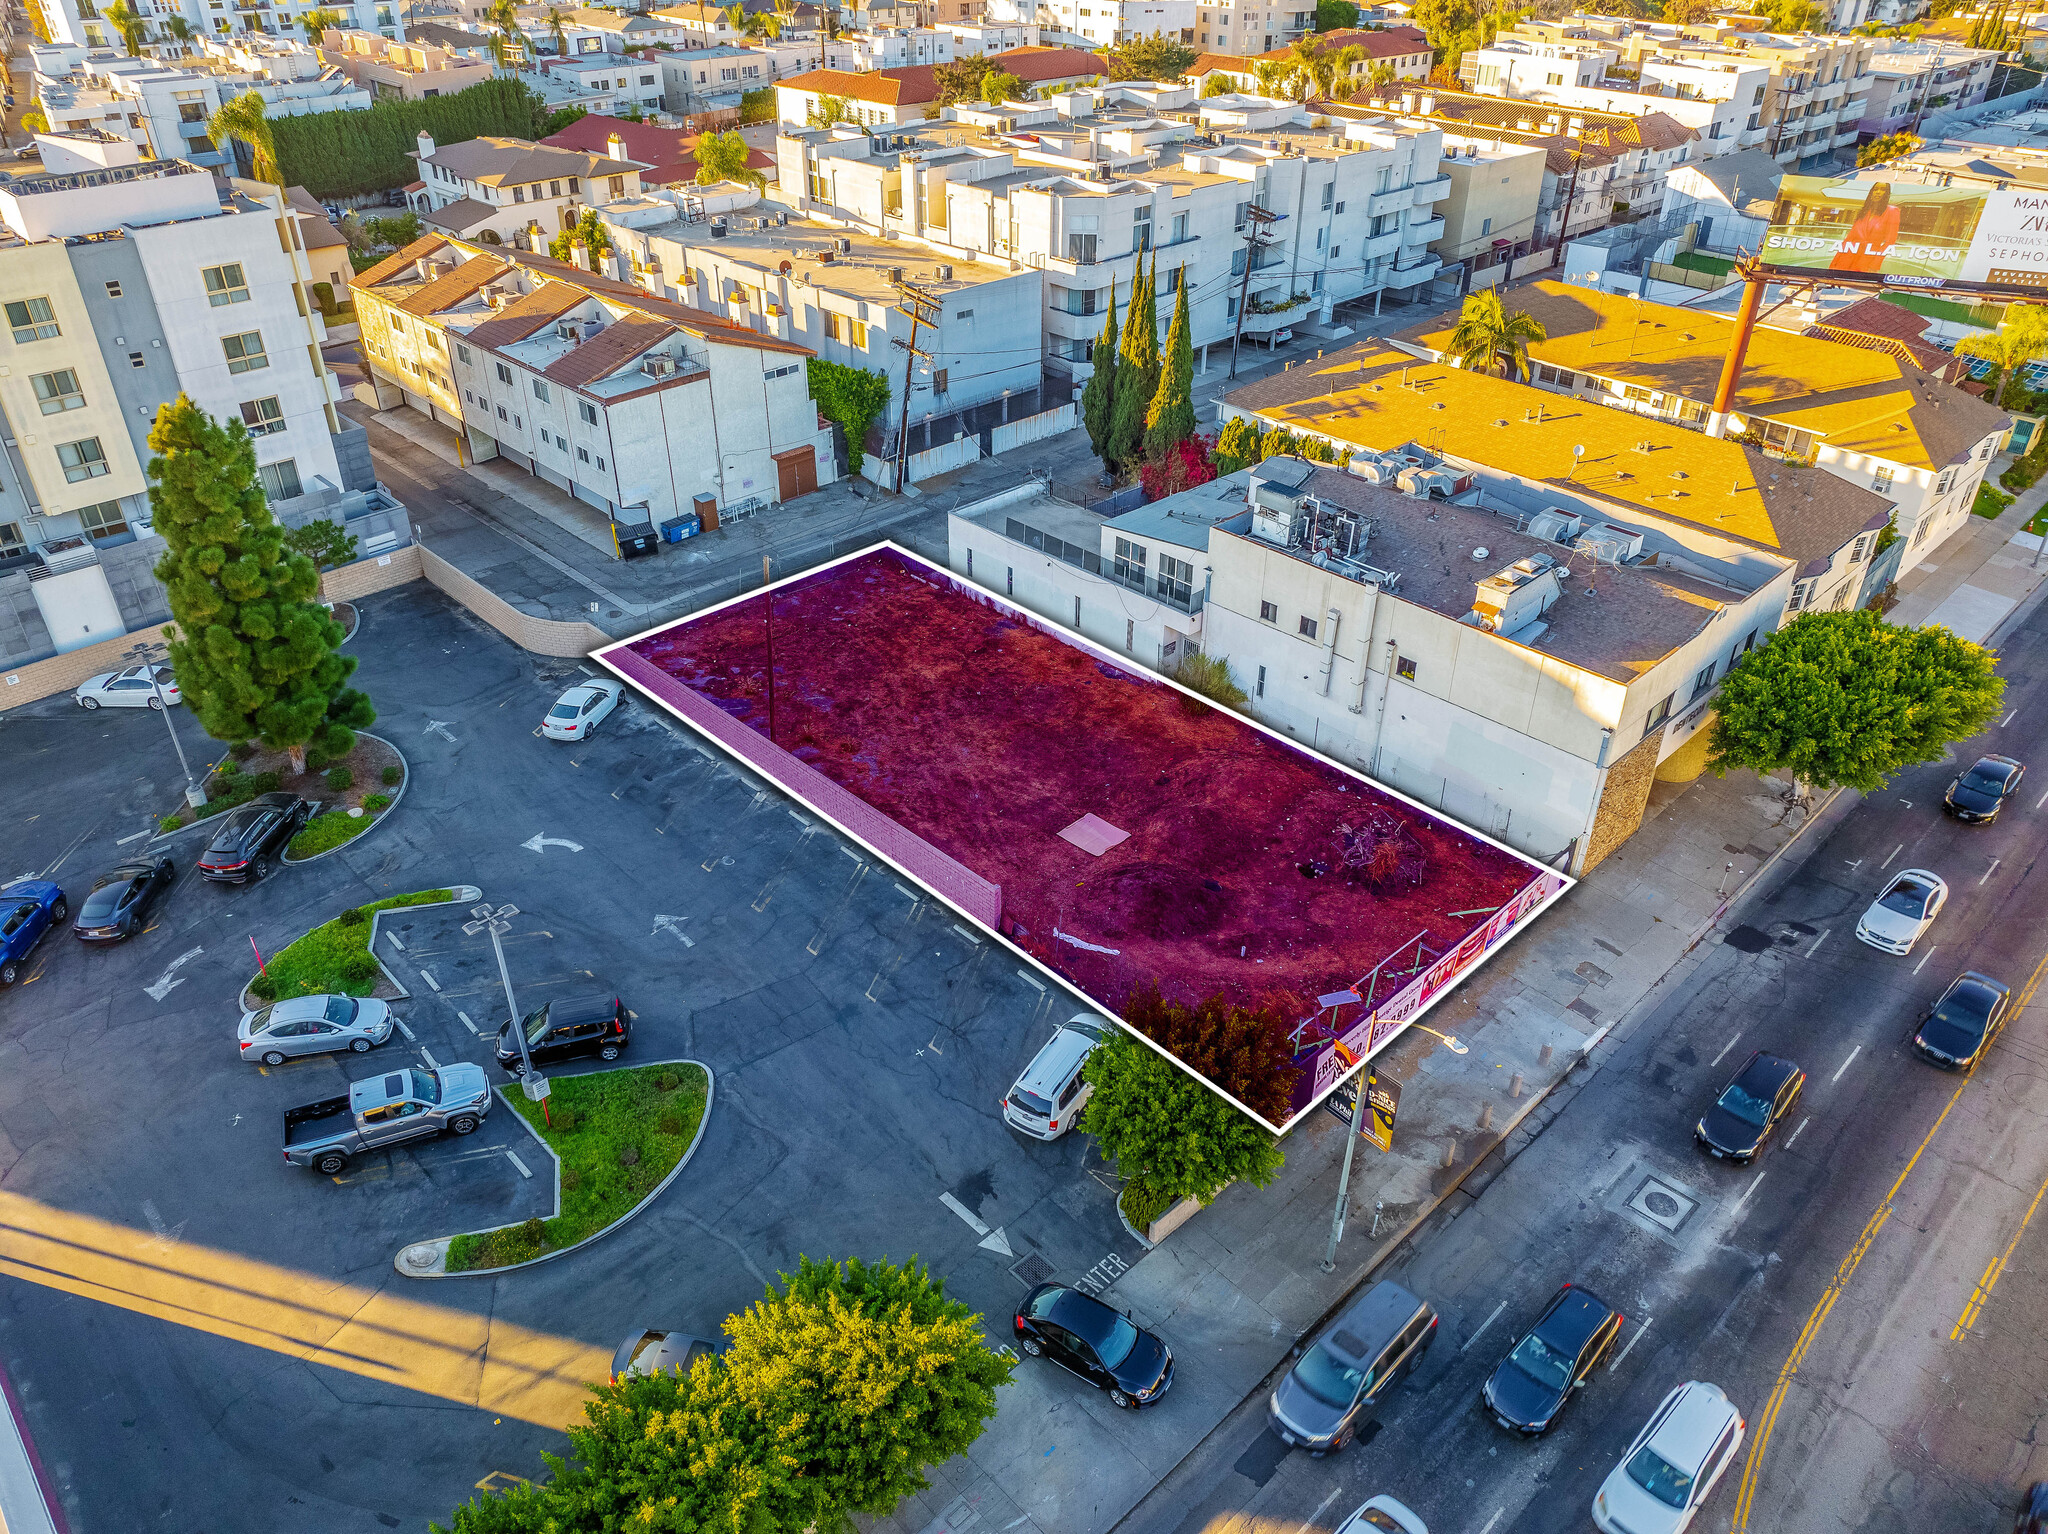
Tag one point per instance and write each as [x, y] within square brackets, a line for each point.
[1909, 235]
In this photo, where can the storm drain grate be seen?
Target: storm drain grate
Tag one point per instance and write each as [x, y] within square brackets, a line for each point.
[1034, 1270]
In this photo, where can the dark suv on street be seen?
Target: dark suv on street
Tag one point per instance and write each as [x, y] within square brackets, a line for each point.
[1372, 1347]
[591, 1024]
[253, 837]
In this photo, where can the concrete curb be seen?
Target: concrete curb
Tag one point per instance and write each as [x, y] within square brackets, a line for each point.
[435, 1251]
[378, 819]
[348, 638]
[460, 894]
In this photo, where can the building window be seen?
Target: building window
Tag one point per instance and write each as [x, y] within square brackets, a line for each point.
[1947, 478]
[1261, 689]
[1130, 563]
[263, 416]
[1659, 716]
[32, 319]
[224, 285]
[137, 360]
[245, 352]
[583, 454]
[519, 194]
[10, 540]
[1405, 669]
[587, 411]
[113, 289]
[860, 334]
[1175, 582]
[1802, 589]
[1859, 549]
[540, 391]
[1269, 612]
[572, 186]
[82, 459]
[1703, 681]
[618, 186]
[504, 374]
[58, 392]
[280, 480]
[1307, 628]
[462, 355]
[104, 520]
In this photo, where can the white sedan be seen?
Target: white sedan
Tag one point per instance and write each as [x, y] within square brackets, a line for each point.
[1667, 1474]
[1906, 909]
[1383, 1515]
[577, 712]
[133, 688]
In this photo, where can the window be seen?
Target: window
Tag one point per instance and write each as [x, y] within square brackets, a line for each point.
[1081, 248]
[1561, 378]
[113, 289]
[860, 334]
[583, 454]
[572, 186]
[1175, 581]
[519, 194]
[104, 520]
[618, 186]
[58, 392]
[263, 416]
[82, 459]
[10, 540]
[191, 111]
[554, 188]
[1703, 681]
[834, 329]
[1307, 628]
[540, 391]
[1405, 670]
[1130, 562]
[501, 413]
[649, 79]
[504, 374]
[1659, 716]
[280, 480]
[1859, 549]
[224, 285]
[1261, 692]
[137, 360]
[1269, 612]
[32, 319]
[462, 355]
[1947, 478]
[588, 411]
[1180, 227]
[939, 381]
[245, 352]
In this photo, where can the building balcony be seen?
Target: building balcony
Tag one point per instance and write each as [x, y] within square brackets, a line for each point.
[1260, 323]
[1387, 244]
[1415, 272]
[1072, 327]
[1423, 233]
[1397, 200]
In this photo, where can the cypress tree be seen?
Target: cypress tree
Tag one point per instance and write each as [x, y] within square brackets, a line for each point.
[1098, 398]
[255, 655]
[1171, 418]
[1137, 376]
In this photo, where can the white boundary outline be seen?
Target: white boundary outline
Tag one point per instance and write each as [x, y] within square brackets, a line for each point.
[1144, 674]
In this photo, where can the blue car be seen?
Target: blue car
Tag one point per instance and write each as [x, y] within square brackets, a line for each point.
[29, 909]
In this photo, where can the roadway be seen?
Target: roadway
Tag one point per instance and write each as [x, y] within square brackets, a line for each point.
[1867, 1294]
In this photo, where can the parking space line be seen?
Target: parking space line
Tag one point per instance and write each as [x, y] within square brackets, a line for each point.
[1846, 1064]
[411, 1037]
[466, 1022]
[1818, 941]
[1488, 1527]
[1795, 1133]
[1030, 979]
[1638, 1337]
[428, 1055]
[396, 942]
[1991, 870]
[513, 1157]
[1895, 852]
[138, 836]
[1724, 1049]
[965, 933]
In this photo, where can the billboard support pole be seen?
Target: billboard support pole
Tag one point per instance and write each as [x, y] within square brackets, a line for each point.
[1731, 369]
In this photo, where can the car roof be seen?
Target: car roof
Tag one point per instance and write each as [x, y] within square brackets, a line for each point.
[374, 1091]
[25, 889]
[1573, 1317]
[571, 1009]
[2001, 761]
[1697, 1417]
[1055, 1058]
[299, 1008]
[134, 869]
[1766, 1072]
[1366, 1327]
[1085, 1316]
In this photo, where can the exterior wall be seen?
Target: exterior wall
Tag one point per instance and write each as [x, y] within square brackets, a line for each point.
[126, 327]
[795, 104]
[1493, 198]
[1623, 798]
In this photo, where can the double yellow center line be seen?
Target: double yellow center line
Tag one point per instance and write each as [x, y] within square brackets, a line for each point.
[1752, 1468]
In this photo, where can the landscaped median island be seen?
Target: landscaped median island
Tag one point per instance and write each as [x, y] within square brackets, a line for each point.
[334, 956]
[617, 1134]
[353, 792]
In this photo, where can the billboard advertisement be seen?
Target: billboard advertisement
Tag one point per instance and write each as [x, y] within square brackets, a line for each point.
[1909, 235]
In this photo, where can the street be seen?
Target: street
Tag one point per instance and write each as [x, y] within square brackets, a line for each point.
[1877, 1258]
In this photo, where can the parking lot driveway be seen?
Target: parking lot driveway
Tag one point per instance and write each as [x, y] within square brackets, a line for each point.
[207, 1338]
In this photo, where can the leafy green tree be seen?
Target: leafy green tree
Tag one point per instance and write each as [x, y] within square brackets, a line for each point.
[255, 656]
[1490, 338]
[2020, 339]
[1216, 83]
[1170, 419]
[851, 396]
[1442, 20]
[1161, 58]
[318, 23]
[133, 28]
[998, 86]
[828, 110]
[560, 118]
[961, 79]
[1237, 444]
[1885, 147]
[723, 157]
[1335, 15]
[1792, 15]
[324, 542]
[1844, 698]
[1098, 395]
[1169, 1133]
[587, 233]
[35, 122]
[1137, 376]
[242, 119]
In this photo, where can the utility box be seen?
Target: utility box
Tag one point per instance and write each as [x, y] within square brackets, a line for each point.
[706, 507]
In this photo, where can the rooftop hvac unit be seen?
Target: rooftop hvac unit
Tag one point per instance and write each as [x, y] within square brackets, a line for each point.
[1556, 524]
[570, 330]
[659, 366]
[1429, 484]
[945, 274]
[896, 275]
[1611, 542]
[846, 247]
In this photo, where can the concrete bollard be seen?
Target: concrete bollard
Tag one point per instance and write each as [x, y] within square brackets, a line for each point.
[1450, 1152]
[1544, 1057]
[1486, 1116]
[1515, 1086]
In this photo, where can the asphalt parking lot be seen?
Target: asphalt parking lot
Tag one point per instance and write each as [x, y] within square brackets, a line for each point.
[187, 1314]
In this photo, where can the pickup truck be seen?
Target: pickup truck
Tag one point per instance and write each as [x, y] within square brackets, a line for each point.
[382, 1111]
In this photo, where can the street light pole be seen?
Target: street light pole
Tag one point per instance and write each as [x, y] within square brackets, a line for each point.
[146, 654]
[1358, 1108]
[497, 923]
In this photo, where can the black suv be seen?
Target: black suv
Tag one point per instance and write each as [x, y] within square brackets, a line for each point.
[593, 1024]
[252, 837]
[1541, 1371]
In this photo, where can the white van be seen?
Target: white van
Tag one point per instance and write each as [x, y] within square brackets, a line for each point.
[1048, 1097]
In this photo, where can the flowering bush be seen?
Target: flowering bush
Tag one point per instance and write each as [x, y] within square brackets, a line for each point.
[1181, 467]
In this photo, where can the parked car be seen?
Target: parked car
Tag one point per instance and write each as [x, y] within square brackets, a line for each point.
[1965, 1019]
[384, 1111]
[1979, 794]
[651, 1352]
[1667, 1474]
[1101, 1344]
[2033, 1513]
[29, 908]
[122, 899]
[1906, 909]
[1750, 1107]
[1542, 1371]
[313, 1025]
[1383, 1515]
[1369, 1349]
[580, 710]
[136, 687]
[1048, 1097]
[252, 837]
[590, 1024]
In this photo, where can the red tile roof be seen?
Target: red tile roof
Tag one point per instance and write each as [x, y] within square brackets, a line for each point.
[384, 270]
[671, 152]
[525, 315]
[609, 350]
[448, 291]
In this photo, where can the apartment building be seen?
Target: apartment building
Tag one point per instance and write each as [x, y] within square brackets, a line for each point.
[604, 83]
[1105, 23]
[1866, 414]
[842, 297]
[123, 285]
[895, 48]
[636, 405]
[1490, 213]
[400, 71]
[1912, 77]
[586, 31]
[897, 97]
[1404, 50]
[81, 22]
[696, 81]
[509, 191]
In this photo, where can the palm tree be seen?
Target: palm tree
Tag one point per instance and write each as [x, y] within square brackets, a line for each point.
[317, 22]
[2022, 338]
[1271, 77]
[242, 119]
[131, 26]
[554, 25]
[1490, 338]
[1343, 64]
[1305, 56]
[181, 31]
[504, 15]
[723, 157]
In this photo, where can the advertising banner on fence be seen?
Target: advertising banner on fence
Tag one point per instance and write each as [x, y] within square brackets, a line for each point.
[1910, 235]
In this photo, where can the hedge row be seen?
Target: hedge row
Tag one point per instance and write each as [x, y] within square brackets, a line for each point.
[350, 154]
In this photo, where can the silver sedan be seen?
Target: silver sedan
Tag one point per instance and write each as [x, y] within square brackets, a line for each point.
[313, 1025]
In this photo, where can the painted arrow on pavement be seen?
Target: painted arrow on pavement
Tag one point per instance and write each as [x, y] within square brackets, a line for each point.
[439, 727]
[170, 980]
[534, 844]
[991, 1240]
[673, 924]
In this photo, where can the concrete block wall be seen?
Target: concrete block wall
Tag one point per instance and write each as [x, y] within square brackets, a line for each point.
[61, 673]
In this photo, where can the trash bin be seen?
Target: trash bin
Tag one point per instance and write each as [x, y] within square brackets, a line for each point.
[634, 545]
[676, 529]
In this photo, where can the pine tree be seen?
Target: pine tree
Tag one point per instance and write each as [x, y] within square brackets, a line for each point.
[255, 655]
[1171, 418]
[1137, 376]
[1098, 398]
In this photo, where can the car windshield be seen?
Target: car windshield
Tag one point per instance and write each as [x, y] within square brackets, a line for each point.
[425, 1087]
[1116, 1347]
[1908, 899]
[1966, 1010]
[1745, 1105]
[1542, 1362]
[1329, 1378]
[1031, 1102]
[1985, 779]
[258, 1021]
[537, 1024]
[341, 1009]
[1659, 1477]
[562, 710]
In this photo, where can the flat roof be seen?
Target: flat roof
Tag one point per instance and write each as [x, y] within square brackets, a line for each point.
[959, 736]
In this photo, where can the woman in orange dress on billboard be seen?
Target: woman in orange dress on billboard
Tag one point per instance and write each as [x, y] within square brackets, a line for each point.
[1870, 239]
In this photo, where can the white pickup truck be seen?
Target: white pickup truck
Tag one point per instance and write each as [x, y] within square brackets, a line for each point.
[383, 1111]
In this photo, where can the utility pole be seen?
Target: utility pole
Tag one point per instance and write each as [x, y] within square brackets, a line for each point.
[1571, 195]
[1256, 220]
[923, 309]
[498, 923]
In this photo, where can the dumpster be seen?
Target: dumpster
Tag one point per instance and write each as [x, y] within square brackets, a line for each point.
[634, 545]
[676, 529]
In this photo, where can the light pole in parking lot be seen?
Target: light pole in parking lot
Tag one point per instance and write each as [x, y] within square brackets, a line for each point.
[498, 923]
[146, 655]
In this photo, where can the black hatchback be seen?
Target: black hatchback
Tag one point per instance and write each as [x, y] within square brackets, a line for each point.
[122, 899]
[591, 1024]
[1968, 1017]
[1541, 1371]
[1102, 1345]
[252, 837]
[1979, 794]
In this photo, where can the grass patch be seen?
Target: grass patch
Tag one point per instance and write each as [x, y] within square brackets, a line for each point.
[323, 833]
[1141, 1205]
[1989, 502]
[618, 1133]
[1699, 261]
[2038, 524]
[322, 959]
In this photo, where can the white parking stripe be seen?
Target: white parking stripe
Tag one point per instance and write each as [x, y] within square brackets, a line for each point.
[410, 1035]
[1483, 1325]
[1746, 1193]
[427, 1055]
[1724, 1050]
[138, 836]
[1638, 1337]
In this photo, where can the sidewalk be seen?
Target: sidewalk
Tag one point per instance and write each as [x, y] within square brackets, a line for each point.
[1237, 1285]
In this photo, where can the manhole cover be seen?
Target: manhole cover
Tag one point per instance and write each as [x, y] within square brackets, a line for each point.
[1034, 1270]
[1661, 1203]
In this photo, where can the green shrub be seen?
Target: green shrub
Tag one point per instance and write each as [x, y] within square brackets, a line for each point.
[566, 1120]
[359, 967]
[323, 295]
[393, 776]
[376, 802]
[242, 750]
[333, 157]
[341, 780]
[265, 783]
[354, 916]
[323, 833]
[668, 1081]
[170, 822]
[263, 987]
[315, 762]
[1141, 1204]
[1989, 502]
[318, 961]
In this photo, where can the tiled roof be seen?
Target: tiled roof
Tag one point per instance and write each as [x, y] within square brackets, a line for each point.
[446, 292]
[1032, 65]
[526, 314]
[609, 350]
[885, 87]
[669, 151]
[515, 161]
[460, 216]
[384, 270]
